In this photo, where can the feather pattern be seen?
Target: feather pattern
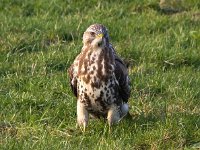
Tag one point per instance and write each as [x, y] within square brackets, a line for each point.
[99, 78]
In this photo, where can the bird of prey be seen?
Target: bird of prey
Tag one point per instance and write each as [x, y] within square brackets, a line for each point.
[99, 79]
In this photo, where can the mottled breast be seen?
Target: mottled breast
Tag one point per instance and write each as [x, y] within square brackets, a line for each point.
[97, 84]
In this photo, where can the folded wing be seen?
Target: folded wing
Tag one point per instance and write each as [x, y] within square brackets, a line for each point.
[121, 73]
[73, 79]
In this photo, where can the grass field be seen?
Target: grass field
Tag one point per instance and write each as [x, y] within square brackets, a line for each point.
[40, 39]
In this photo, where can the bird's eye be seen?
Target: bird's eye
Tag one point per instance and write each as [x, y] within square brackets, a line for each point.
[92, 33]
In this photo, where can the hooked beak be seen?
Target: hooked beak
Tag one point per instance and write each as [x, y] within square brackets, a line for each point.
[99, 35]
[100, 39]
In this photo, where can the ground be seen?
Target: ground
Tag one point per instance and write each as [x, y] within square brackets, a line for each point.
[40, 39]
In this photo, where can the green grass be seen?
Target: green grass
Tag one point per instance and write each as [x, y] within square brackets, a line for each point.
[40, 39]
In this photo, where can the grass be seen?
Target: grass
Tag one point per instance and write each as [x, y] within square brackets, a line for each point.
[40, 39]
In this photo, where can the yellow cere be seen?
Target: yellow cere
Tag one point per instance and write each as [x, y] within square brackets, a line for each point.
[100, 35]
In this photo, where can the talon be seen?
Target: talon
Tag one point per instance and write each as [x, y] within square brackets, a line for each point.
[110, 129]
[82, 116]
[84, 126]
[77, 125]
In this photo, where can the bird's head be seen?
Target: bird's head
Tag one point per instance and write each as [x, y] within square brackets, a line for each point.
[96, 35]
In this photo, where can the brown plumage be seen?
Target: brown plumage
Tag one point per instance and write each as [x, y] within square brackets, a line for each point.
[99, 79]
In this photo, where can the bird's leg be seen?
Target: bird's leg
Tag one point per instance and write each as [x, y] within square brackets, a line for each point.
[82, 115]
[113, 115]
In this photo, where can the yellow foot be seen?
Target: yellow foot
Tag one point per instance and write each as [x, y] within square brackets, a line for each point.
[110, 129]
[84, 126]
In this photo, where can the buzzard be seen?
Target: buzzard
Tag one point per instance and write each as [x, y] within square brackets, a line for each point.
[99, 79]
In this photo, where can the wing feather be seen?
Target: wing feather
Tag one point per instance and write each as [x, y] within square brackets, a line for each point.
[73, 79]
[121, 73]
